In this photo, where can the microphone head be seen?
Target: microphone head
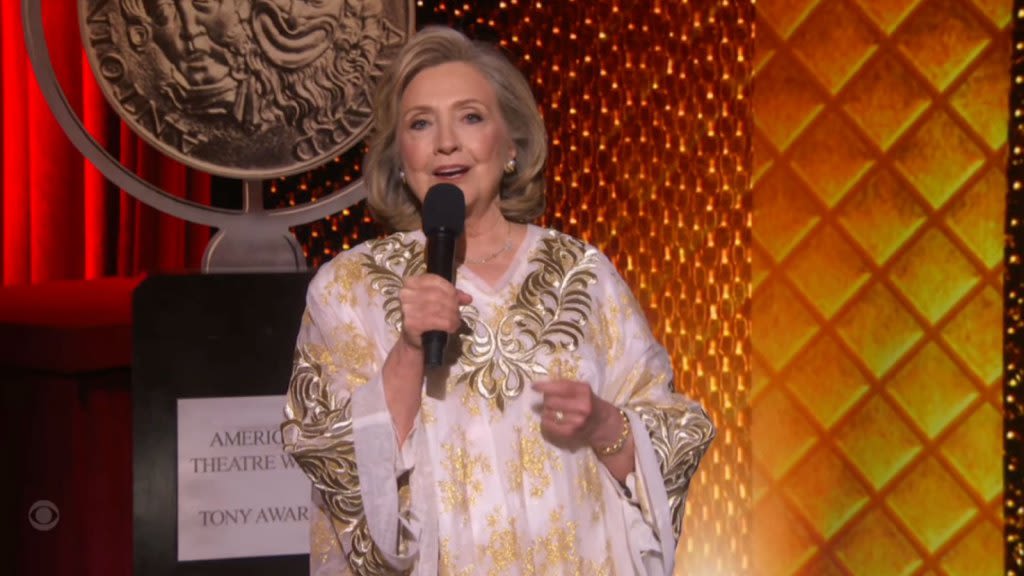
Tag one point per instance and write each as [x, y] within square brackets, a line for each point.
[444, 208]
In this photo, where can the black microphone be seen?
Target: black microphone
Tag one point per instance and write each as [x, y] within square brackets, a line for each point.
[444, 217]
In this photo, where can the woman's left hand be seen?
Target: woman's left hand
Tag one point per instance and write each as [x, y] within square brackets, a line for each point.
[570, 412]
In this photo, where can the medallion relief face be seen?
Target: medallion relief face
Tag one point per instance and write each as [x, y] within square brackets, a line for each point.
[248, 89]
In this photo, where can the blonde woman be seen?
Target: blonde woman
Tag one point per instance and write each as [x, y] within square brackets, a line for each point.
[551, 441]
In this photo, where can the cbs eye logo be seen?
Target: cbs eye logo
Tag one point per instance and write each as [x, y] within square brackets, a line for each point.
[43, 515]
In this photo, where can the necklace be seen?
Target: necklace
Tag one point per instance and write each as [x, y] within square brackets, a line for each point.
[499, 252]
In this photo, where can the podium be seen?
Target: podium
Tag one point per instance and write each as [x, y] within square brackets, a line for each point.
[211, 335]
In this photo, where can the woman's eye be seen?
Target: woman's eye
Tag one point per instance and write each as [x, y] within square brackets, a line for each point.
[418, 124]
[473, 118]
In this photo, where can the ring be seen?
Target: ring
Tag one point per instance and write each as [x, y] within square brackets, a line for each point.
[559, 416]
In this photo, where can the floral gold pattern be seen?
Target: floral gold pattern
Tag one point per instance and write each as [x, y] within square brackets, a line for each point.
[549, 314]
[327, 456]
[355, 352]
[464, 470]
[559, 545]
[533, 461]
[346, 278]
[388, 263]
[503, 546]
[679, 435]
[589, 489]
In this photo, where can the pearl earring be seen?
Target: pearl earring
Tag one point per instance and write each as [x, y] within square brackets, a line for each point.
[511, 166]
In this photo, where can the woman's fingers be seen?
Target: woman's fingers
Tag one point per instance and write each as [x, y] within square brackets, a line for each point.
[430, 302]
[566, 410]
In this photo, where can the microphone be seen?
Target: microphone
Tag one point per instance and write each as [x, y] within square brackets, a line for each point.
[444, 217]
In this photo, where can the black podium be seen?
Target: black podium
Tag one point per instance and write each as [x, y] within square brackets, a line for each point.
[202, 336]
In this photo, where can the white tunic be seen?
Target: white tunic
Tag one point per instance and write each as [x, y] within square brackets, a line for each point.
[476, 489]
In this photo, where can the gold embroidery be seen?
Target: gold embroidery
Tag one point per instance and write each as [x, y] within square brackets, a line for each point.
[427, 415]
[348, 272]
[589, 490]
[464, 484]
[680, 434]
[322, 539]
[530, 561]
[365, 557]
[503, 546]
[606, 330]
[388, 263]
[470, 401]
[447, 567]
[318, 435]
[535, 456]
[559, 546]
[322, 357]
[645, 378]
[404, 507]
[549, 314]
[355, 352]
[592, 568]
[565, 368]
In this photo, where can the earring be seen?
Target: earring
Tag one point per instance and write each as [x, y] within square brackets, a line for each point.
[401, 176]
[511, 166]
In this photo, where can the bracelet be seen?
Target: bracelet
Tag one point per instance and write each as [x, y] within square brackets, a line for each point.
[617, 446]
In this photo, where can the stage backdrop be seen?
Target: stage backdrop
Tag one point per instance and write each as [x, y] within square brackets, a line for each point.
[879, 195]
[649, 110]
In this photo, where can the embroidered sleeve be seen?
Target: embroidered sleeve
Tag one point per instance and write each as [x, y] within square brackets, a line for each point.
[680, 434]
[319, 431]
[641, 379]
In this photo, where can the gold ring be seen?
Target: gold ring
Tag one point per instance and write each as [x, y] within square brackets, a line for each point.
[559, 416]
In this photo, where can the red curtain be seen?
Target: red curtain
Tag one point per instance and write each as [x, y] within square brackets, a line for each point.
[59, 217]
[61, 220]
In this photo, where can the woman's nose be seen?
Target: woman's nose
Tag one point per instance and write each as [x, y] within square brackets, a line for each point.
[447, 138]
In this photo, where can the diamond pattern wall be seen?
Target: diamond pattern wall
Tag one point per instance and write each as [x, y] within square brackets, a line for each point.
[879, 194]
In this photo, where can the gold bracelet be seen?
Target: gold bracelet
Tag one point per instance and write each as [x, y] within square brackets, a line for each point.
[617, 446]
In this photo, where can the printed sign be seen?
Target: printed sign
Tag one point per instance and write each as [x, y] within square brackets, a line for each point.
[239, 494]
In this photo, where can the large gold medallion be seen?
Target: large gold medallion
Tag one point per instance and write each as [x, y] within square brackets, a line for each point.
[248, 89]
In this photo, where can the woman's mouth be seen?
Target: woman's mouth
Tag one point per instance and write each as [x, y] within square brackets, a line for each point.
[450, 171]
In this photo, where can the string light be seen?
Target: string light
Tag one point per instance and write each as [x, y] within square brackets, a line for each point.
[1013, 341]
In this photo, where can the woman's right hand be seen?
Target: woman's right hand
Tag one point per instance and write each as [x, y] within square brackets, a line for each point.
[429, 302]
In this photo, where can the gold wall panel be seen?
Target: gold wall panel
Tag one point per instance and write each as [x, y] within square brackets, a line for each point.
[879, 196]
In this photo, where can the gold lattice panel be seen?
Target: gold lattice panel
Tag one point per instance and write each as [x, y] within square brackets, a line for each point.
[879, 195]
[649, 112]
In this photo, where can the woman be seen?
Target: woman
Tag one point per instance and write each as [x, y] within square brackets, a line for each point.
[551, 441]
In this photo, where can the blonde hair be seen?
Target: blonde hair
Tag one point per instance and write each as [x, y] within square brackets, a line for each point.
[521, 193]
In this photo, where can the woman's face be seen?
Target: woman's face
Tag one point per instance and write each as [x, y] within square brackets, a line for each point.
[450, 129]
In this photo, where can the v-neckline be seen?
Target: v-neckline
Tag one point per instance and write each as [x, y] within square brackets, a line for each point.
[519, 260]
